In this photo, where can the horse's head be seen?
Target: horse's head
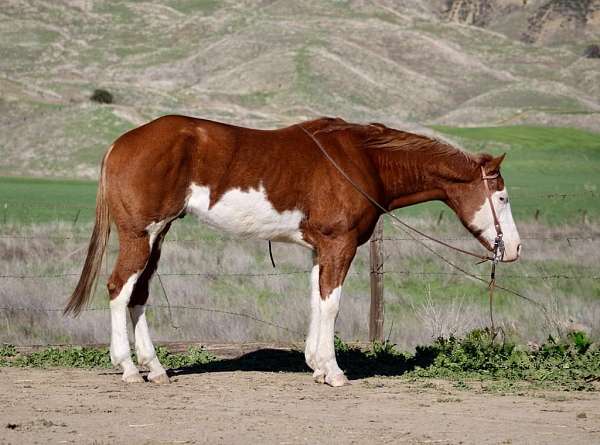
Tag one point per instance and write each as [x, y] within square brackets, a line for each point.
[469, 199]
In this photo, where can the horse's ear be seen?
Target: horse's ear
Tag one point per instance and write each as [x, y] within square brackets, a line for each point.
[493, 165]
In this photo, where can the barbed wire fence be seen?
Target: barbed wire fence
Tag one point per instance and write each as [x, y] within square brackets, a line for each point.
[570, 240]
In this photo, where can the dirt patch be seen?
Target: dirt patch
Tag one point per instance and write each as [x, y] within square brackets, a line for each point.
[81, 406]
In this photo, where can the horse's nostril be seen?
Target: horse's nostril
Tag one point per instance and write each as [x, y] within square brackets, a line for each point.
[519, 250]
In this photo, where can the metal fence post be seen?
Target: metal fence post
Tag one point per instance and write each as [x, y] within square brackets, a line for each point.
[376, 259]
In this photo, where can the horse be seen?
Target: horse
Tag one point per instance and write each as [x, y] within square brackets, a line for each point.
[275, 185]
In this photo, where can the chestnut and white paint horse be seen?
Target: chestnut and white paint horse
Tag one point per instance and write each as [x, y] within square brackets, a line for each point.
[275, 185]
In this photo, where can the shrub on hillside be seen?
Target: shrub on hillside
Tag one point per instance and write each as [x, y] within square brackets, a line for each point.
[101, 96]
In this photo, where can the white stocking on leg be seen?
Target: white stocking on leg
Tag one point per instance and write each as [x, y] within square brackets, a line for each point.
[310, 349]
[144, 349]
[326, 360]
[120, 354]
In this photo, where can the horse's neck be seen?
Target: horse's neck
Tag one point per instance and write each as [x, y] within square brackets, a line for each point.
[411, 177]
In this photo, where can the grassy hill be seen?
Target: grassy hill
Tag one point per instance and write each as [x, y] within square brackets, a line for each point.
[266, 64]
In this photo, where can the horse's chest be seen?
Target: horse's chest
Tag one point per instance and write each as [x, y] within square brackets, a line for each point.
[246, 213]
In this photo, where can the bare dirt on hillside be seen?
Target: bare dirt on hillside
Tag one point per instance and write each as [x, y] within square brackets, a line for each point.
[94, 406]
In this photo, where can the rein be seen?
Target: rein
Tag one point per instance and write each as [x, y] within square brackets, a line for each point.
[498, 249]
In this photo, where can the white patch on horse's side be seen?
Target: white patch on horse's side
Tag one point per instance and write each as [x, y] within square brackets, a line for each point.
[119, 341]
[328, 308]
[248, 214]
[483, 220]
[154, 229]
[311, 345]
[144, 349]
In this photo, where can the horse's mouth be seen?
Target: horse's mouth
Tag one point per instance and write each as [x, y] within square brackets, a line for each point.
[506, 258]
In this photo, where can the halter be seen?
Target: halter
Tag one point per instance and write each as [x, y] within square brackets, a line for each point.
[498, 241]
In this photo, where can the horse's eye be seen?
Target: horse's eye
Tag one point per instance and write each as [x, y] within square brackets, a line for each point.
[503, 199]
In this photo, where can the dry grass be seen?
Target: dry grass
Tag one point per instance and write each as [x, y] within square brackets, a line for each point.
[423, 299]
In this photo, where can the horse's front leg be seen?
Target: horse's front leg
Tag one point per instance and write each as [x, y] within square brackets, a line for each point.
[310, 348]
[333, 259]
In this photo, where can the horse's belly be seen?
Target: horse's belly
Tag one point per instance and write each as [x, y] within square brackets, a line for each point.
[248, 214]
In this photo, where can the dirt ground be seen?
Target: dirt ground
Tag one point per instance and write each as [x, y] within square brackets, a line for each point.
[94, 406]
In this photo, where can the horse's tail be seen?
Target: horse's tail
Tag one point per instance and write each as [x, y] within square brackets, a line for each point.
[89, 275]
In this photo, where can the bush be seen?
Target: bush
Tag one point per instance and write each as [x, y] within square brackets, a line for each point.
[101, 96]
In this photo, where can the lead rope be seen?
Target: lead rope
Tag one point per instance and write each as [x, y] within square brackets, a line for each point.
[498, 249]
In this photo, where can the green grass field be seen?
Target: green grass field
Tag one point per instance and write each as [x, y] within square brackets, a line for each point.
[553, 173]
[36, 200]
[555, 170]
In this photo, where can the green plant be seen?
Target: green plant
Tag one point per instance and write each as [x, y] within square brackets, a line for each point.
[194, 356]
[71, 357]
[101, 96]
[571, 363]
[7, 350]
[90, 357]
[340, 346]
[580, 341]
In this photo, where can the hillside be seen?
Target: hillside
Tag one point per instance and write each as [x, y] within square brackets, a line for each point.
[272, 62]
[532, 21]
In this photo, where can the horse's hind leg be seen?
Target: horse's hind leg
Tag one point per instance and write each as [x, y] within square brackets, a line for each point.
[134, 253]
[144, 349]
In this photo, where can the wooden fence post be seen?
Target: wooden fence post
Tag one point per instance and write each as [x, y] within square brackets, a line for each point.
[376, 310]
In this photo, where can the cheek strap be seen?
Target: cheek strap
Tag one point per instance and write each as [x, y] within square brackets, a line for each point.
[498, 242]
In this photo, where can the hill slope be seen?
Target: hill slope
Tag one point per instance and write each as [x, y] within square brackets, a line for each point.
[271, 62]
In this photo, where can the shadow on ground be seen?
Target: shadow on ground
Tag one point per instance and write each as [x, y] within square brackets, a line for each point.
[356, 363]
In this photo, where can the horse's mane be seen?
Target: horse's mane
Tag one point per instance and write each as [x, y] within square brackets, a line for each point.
[376, 136]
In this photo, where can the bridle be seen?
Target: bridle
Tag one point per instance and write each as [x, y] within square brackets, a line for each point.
[498, 249]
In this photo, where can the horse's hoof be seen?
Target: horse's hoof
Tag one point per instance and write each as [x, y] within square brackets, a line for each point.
[337, 380]
[319, 376]
[161, 379]
[133, 378]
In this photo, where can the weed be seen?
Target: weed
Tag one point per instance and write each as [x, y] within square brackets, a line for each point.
[340, 346]
[195, 355]
[7, 350]
[72, 357]
[569, 364]
[580, 341]
[91, 357]
[572, 363]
